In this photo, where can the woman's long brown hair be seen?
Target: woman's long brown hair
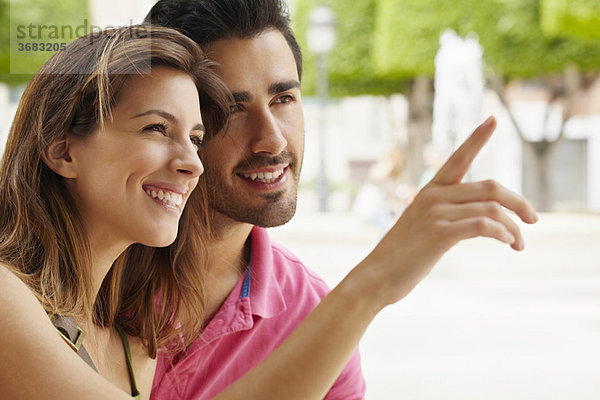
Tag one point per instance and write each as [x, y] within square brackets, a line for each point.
[148, 291]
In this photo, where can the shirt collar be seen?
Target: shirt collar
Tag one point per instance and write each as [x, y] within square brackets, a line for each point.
[266, 297]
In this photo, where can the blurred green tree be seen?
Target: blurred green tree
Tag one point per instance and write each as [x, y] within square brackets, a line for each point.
[580, 19]
[389, 46]
[36, 22]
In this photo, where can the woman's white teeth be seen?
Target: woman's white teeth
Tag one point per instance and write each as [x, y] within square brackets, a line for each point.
[265, 177]
[170, 198]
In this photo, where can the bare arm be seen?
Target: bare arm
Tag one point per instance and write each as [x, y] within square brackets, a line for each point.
[445, 212]
[35, 363]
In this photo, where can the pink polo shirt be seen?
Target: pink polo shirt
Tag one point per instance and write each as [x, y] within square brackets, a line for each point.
[263, 308]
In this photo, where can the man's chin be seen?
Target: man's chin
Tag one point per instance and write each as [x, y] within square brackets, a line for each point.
[266, 217]
[273, 222]
[269, 218]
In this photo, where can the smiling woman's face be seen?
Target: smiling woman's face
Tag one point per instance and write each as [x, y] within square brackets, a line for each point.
[133, 177]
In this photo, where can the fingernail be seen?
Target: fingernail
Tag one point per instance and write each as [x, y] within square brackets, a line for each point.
[488, 121]
[534, 217]
[518, 246]
[510, 239]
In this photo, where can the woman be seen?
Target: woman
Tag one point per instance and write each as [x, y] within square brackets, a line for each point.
[102, 154]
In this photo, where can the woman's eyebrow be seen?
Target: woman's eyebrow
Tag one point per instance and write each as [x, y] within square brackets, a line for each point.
[169, 117]
[164, 114]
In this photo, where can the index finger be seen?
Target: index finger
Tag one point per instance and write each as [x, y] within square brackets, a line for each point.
[455, 168]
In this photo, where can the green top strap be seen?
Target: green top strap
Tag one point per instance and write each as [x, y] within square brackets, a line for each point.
[135, 393]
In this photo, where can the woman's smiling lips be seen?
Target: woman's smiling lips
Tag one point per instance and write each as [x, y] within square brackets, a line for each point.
[167, 195]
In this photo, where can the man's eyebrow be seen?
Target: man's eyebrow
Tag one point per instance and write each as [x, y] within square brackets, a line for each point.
[241, 97]
[199, 127]
[278, 87]
[283, 86]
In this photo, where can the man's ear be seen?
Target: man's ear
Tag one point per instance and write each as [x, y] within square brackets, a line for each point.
[58, 159]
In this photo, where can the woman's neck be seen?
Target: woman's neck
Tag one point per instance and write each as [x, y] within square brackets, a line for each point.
[103, 253]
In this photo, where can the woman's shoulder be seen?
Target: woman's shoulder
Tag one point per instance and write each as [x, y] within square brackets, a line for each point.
[34, 357]
[17, 300]
[20, 311]
[14, 290]
[12, 285]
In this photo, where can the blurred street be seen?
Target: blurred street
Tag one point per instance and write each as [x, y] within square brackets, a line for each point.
[488, 323]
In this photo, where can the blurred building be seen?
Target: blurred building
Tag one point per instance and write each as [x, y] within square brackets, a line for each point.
[119, 13]
[575, 168]
[363, 130]
[7, 112]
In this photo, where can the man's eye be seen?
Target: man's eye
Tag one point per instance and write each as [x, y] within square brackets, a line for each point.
[233, 108]
[160, 128]
[197, 141]
[286, 98]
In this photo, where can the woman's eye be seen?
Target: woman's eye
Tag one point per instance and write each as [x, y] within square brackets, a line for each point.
[197, 141]
[161, 128]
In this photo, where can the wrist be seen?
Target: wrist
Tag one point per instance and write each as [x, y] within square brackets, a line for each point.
[362, 292]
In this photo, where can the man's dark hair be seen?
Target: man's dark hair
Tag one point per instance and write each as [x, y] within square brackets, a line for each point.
[206, 21]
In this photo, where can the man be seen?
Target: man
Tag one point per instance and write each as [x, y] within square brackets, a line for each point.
[258, 292]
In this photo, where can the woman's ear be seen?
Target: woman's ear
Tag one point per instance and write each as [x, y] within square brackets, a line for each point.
[58, 159]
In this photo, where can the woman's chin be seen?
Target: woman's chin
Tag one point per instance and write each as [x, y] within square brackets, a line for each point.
[163, 240]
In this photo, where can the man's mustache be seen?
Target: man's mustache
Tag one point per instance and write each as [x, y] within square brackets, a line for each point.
[260, 161]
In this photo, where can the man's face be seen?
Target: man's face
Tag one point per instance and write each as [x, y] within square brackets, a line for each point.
[253, 168]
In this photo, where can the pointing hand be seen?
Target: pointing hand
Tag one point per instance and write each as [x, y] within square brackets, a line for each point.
[442, 214]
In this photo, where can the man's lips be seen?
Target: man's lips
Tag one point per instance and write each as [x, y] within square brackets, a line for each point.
[265, 176]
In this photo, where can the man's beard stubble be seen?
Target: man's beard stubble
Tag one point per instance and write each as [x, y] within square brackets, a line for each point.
[276, 209]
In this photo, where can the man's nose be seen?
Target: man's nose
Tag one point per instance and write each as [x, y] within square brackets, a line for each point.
[268, 134]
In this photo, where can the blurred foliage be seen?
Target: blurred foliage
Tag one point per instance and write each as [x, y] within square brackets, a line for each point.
[516, 46]
[351, 61]
[59, 21]
[383, 44]
[5, 43]
[579, 19]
